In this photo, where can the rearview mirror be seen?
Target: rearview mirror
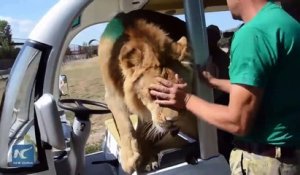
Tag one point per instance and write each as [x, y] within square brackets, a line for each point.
[63, 85]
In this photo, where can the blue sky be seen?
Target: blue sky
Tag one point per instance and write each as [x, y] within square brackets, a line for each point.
[23, 15]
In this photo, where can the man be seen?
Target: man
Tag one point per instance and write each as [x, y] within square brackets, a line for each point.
[263, 110]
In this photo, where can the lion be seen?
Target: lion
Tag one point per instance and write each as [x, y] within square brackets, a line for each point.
[135, 48]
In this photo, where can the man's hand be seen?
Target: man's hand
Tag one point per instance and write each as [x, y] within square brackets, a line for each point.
[206, 74]
[207, 78]
[170, 94]
[213, 82]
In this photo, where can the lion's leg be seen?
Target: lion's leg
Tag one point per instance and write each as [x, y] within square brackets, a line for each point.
[147, 148]
[129, 151]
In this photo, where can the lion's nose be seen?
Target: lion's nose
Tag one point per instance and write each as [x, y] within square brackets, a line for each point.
[170, 121]
[172, 118]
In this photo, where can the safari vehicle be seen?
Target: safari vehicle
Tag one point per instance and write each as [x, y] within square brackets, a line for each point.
[32, 132]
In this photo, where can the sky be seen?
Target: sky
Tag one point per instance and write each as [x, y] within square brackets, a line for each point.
[23, 15]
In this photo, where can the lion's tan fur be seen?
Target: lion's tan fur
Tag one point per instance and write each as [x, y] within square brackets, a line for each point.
[127, 74]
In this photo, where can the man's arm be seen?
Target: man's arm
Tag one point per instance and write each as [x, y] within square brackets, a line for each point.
[235, 118]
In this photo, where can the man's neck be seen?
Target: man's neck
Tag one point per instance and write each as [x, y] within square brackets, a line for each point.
[251, 9]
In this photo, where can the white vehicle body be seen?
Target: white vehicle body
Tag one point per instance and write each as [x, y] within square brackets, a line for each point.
[29, 104]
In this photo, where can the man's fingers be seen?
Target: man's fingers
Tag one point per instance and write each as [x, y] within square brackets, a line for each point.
[206, 75]
[159, 88]
[164, 102]
[159, 95]
[164, 82]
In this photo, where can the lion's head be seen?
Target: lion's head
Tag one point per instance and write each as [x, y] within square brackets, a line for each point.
[150, 53]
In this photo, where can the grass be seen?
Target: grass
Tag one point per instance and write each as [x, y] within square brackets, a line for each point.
[84, 79]
[91, 148]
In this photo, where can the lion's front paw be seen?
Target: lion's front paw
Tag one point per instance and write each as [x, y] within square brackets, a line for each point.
[130, 156]
[151, 166]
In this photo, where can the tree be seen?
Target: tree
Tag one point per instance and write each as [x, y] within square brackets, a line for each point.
[5, 35]
[7, 49]
[85, 49]
[68, 51]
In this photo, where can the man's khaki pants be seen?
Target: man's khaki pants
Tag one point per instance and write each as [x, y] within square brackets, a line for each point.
[245, 163]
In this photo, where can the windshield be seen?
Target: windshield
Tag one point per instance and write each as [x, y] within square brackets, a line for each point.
[23, 87]
[20, 112]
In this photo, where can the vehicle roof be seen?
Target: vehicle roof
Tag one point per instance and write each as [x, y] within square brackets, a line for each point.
[176, 6]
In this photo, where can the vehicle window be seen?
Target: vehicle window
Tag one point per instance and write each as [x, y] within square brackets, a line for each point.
[82, 69]
[20, 111]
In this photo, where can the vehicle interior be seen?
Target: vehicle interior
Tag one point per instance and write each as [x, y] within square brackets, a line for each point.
[33, 107]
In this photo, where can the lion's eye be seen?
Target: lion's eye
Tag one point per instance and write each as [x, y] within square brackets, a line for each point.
[130, 56]
[130, 53]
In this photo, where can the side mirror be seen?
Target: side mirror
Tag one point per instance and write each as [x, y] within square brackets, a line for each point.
[63, 85]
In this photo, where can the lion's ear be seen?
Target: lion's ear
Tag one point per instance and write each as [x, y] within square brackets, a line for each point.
[180, 49]
[182, 41]
[129, 56]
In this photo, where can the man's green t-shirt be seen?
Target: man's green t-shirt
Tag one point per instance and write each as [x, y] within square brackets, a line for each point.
[265, 53]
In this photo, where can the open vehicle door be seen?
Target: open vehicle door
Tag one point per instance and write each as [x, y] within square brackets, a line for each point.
[30, 125]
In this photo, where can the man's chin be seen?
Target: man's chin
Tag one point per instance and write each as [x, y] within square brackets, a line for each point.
[235, 17]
